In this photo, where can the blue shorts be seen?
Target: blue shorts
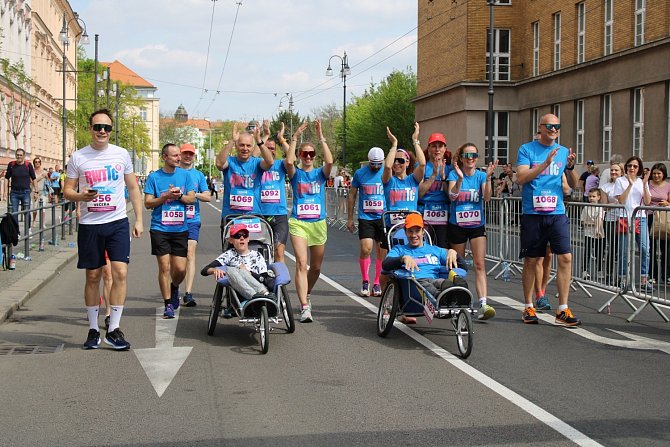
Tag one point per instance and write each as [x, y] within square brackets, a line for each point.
[539, 230]
[193, 230]
[94, 240]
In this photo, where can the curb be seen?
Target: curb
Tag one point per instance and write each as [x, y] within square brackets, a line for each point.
[16, 295]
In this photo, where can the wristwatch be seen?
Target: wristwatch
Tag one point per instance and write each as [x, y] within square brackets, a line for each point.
[260, 143]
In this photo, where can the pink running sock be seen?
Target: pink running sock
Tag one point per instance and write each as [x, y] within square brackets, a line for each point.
[365, 267]
[378, 270]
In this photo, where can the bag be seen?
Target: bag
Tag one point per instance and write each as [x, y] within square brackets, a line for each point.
[661, 224]
[622, 225]
[9, 229]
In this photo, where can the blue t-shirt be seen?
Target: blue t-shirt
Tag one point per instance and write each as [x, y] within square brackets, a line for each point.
[241, 192]
[429, 259]
[543, 194]
[436, 193]
[170, 217]
[370, 193]
[401, 195]
[273, 190]
[309, 200]
[468, 209]
[199, 184]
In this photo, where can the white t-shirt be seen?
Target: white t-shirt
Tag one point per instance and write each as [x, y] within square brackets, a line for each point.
[337, 182]
[612, 213]
[635, 195]
[104, 171]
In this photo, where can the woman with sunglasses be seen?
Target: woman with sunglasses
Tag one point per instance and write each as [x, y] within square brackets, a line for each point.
[468, 189]
[433, 200]
[401, 190]
[307, 225]
[632, 190]
[41, 192]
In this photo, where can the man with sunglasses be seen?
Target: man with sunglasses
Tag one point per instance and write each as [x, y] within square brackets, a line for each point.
[540, 167]
[21, 178]
[371, 205]
[202, 193]
[96, 175]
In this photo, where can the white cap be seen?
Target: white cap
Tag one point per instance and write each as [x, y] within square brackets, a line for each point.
[376, 154]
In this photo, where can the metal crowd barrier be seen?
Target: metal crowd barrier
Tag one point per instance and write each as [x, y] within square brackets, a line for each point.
[605, 255]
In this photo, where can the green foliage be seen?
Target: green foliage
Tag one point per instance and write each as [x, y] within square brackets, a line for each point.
[387, 104]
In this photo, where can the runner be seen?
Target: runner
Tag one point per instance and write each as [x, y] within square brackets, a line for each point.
[166, 192]
[100, 171]
[202, 194]
[468, 189]
[307, 224]
[433, 199]
[368, 180]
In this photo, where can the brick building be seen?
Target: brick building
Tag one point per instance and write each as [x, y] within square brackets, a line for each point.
[602, 66]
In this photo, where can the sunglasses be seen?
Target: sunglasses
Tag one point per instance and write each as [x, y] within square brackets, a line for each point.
[375, 164]
[551, 127]
[470, 155]
[632, 166]
[240, 235]
[100, 127]
[36, 162]
[400, 161]
[308, 154]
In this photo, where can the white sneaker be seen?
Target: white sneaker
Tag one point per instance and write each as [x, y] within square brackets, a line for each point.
[306, 315]
[486, 312]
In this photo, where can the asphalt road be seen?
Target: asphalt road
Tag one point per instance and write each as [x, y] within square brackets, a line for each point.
[332, 382]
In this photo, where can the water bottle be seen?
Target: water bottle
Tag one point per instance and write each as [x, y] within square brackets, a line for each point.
[12, 262]
[505, 273]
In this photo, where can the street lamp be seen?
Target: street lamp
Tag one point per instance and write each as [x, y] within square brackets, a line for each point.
[65, 40]
[288, 96]
[344, 71]
[95, 76]
[491, 126]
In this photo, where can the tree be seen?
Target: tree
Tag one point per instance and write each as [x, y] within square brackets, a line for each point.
[16, 105]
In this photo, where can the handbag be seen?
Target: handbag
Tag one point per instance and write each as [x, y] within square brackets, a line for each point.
[661, 224]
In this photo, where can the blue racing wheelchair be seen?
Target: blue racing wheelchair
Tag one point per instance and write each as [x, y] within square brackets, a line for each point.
[405, 296]
[262, 311]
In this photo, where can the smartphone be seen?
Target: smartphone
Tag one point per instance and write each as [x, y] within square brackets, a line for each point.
[92, 191]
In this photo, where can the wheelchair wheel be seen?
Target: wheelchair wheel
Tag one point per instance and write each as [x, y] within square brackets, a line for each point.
[286, 310]
[264, 329]
[214, 309]
[388, 308]
[464, 333]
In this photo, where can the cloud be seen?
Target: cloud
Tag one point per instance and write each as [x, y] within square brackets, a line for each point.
[157, 56]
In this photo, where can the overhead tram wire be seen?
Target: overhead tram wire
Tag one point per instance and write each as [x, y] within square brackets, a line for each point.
[225, 61]
[209, 43]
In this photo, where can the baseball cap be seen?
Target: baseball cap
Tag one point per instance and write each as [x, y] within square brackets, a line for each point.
[186, 147]
[413, 220]
[376, 154]
[437, 137]
[236, 228]
[589, 162]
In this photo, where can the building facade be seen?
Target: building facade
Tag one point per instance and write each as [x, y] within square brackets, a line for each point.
[602, 66]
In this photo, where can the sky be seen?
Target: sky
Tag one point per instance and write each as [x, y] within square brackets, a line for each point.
[259, 50]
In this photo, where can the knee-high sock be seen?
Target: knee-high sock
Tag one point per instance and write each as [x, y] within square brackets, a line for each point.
[365, 267]
[378, 270]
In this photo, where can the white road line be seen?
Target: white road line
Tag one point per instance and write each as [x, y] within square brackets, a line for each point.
[535, 411]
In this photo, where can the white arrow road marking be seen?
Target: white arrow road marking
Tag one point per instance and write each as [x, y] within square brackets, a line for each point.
[635, 342]
[162, 363]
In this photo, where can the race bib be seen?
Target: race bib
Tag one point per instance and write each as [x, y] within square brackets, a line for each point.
[373, 206]
[270, 196]
[396, 218]
[102, 203]
[436, 217]
[253, 225]
[172, 217]
[241, 202]
[190, 211]
[545, 204]
[468, 218]
[309, 210]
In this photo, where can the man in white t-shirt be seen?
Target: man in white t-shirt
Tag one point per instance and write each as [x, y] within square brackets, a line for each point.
[96, 175]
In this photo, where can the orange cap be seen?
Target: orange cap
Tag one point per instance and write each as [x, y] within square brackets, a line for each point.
[413, 220]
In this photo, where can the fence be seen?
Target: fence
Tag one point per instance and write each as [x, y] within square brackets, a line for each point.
[606, 253]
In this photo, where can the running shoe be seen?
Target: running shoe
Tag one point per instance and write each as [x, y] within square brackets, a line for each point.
[116, 340]
[169, 312]
[365, 288]
[174, 296]
[189, 301]
[92, 340]
[647, 287]
[542, 303]
[376, 290]
[486, 312]
[529, 316]
[566, 318]
[306, 314]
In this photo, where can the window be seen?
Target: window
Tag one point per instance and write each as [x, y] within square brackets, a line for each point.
[638, 122]
[536, 49]
[609, 26]
[556, 110]
[581, 31]
[607, 127]
[579, 142]
[640, 12]
[503, 2]
[501, 136]
[501, 55]
[143, 114]
[534, 122]
[557, 41]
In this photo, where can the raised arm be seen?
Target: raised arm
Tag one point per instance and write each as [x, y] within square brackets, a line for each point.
[266, 154]
[388, 164]
[420, 169]
[487, 185]
[290, 154]
[221, 161]
[327, 155]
